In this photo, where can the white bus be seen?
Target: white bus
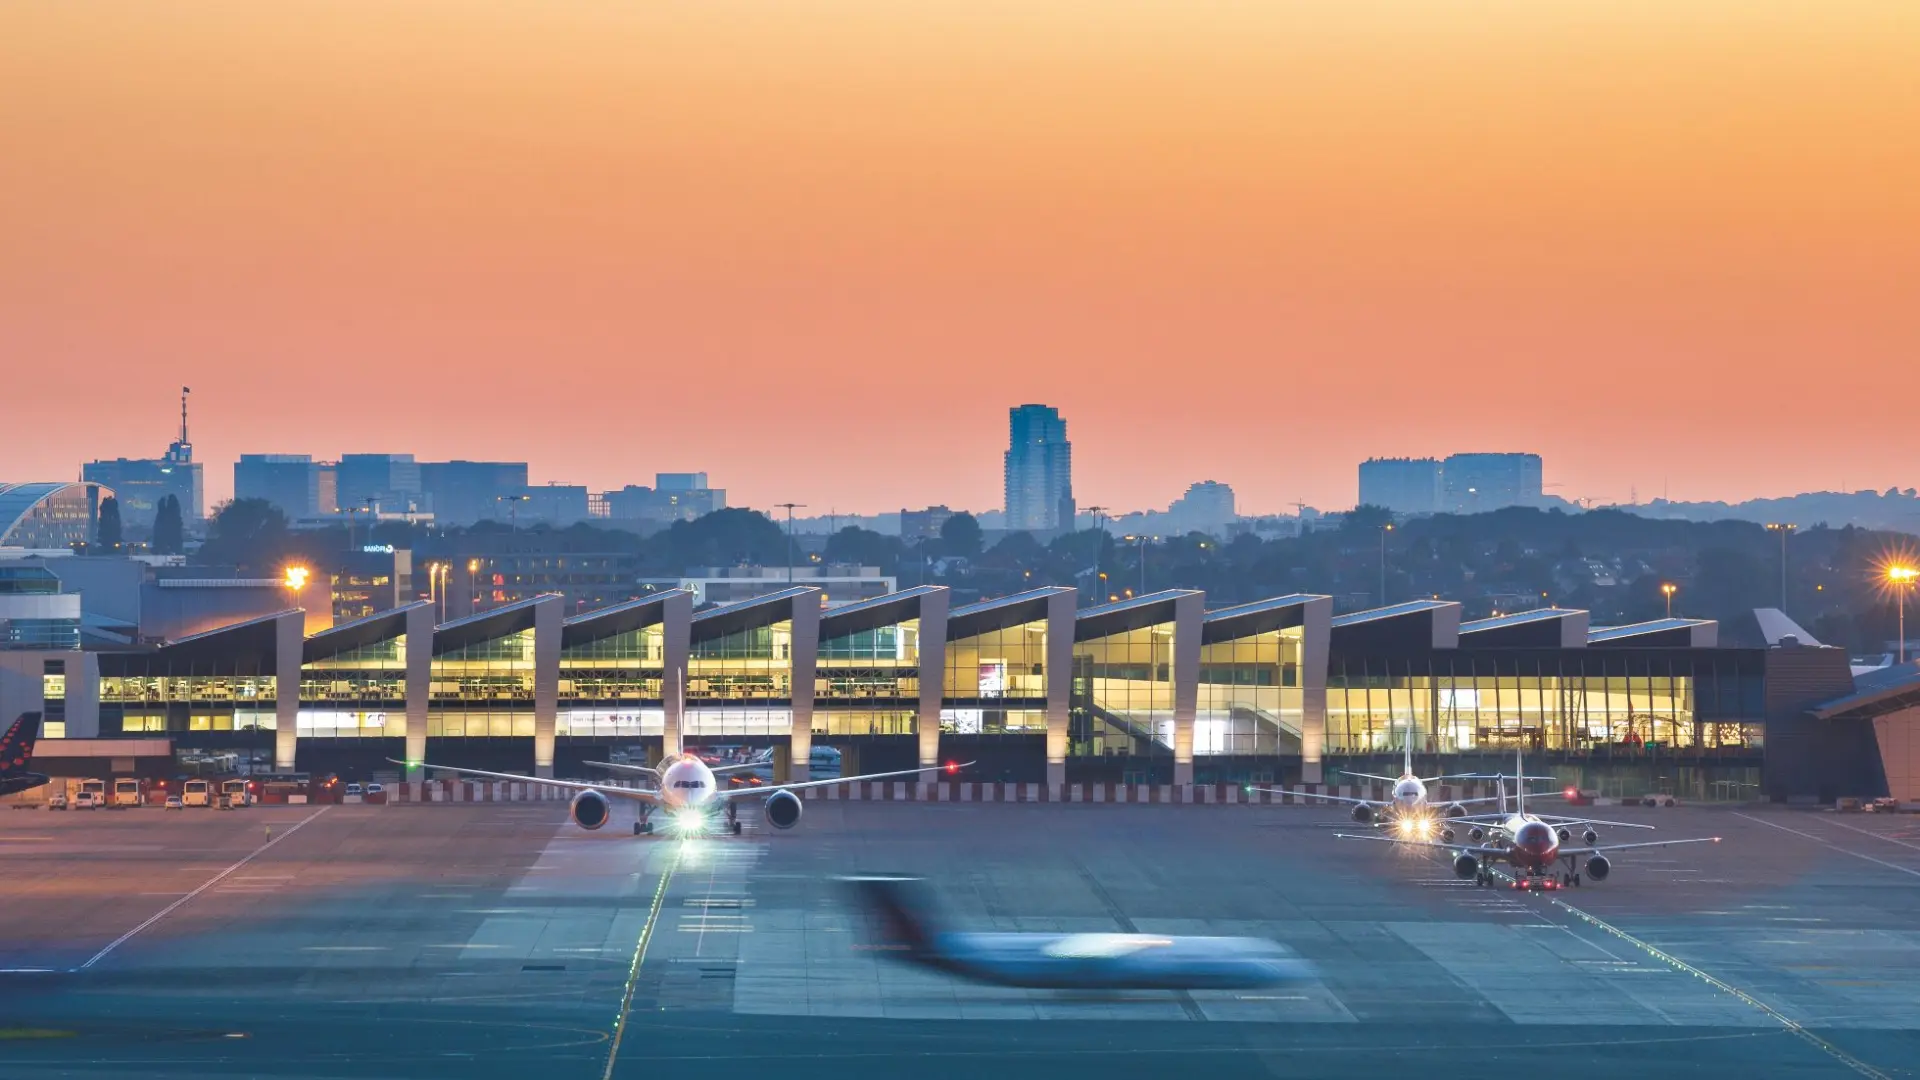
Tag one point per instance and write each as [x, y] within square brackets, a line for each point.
[127, 791]
[236, 793]
[197, 793]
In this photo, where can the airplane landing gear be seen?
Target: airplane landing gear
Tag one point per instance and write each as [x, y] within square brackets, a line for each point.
[643, 827]
[733, 819]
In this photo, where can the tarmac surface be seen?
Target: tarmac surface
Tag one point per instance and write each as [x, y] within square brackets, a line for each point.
[497, 940]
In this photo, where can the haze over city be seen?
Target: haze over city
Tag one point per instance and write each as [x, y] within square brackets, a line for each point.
[1251, 243]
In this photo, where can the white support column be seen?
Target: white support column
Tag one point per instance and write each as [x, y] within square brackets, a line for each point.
[289, 643]
[806, 648]
[419, 684]
[1189, 617]
[933, 672]
[676, 632]
[548, 615]
[1316, 632]
[1060, 609]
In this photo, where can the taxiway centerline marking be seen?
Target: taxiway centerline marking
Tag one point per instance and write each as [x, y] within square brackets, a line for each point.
[208, 884]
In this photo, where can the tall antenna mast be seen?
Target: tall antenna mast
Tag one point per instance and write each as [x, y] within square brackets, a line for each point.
[184, 391]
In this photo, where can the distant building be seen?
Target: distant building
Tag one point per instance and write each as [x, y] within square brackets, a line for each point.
[463, 492]
[555, 504]
[35, 612]
[1039, 470]
[140, 483]
[1478, 482]
[673, 497]
[1206, 507]
[292, 482]
[839, 585]
[383, 481]
[376, 578]
[1402, 485]
[51, 516]
[917, 525]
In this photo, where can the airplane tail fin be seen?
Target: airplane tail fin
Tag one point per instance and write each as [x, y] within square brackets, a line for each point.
[900, 913]
[1407, 768]
[16, 746]
[1519, 786]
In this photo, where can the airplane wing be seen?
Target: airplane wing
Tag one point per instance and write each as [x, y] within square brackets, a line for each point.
[722, 770]
[615, 766]
[1316, 795]
[1601, 849]
[1470, 849]
[769, 789]
[1551, 820]
[570, 785]
[1371, 776]
[1490, 776]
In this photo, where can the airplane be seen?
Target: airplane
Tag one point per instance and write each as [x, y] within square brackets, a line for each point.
[16, 753]
[1408, 800]
[685, 789]
[909, 932]
[1531, 845]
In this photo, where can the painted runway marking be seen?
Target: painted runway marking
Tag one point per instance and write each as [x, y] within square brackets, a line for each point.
[1793, 1026]
[208, 884]
[1828, 843]
[639, 957]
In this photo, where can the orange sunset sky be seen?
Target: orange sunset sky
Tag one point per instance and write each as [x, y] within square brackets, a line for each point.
[818, 247]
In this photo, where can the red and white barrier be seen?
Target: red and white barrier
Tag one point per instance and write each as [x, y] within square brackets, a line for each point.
[466, 791]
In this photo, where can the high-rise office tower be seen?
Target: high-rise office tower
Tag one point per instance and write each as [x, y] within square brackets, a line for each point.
[140, 483]
[1402, 485]
[463, 492]
[1478, 482]
[1039, 469]
[291, 482]
[388, 482]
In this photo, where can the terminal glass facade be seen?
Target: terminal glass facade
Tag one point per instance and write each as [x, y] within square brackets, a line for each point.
[146, 695]
[483, 689]
[614, 686]
[1122, 696]
[358, 692]
[741, 683]
[996, 682]
[1593, 703]
[867, 682]
[1250, 700]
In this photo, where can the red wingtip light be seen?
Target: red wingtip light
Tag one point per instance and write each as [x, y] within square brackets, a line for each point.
[1571, 792]
[952, 767]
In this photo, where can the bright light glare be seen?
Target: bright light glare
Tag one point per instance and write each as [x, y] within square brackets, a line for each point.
[297, 577]
[689, 822]
[1902, 575]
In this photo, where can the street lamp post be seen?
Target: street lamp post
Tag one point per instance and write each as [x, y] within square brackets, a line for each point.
[1140, 549]
[1099, 541]
[1384, 530]
[1668, 590]
[789, 508]
[1783, 528]
[1902, 578]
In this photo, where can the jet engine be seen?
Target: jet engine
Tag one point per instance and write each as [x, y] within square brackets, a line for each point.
[1590, 837]
[1446, 836]
[1476, 834]
[782, 810]
[590, 810]
[1456, 810]
[1363, 814]
[1565, 836]
[1465, 866]
[1598, 868]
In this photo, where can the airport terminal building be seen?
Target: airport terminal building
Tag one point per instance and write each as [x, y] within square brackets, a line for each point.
[1159, 689]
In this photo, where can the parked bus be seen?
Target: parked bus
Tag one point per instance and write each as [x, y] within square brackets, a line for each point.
[237, 793]
[128, 791]
[197, 793]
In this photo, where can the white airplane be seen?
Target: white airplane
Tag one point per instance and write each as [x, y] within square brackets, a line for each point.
[685, 789]
[1532, 845]
[1408, 799]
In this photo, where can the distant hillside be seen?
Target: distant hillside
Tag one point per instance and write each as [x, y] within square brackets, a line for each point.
[1892, 509]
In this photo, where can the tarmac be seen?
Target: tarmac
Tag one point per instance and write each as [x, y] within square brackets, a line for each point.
[497, 940]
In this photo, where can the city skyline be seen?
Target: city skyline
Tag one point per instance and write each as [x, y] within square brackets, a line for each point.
[1623, 238]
